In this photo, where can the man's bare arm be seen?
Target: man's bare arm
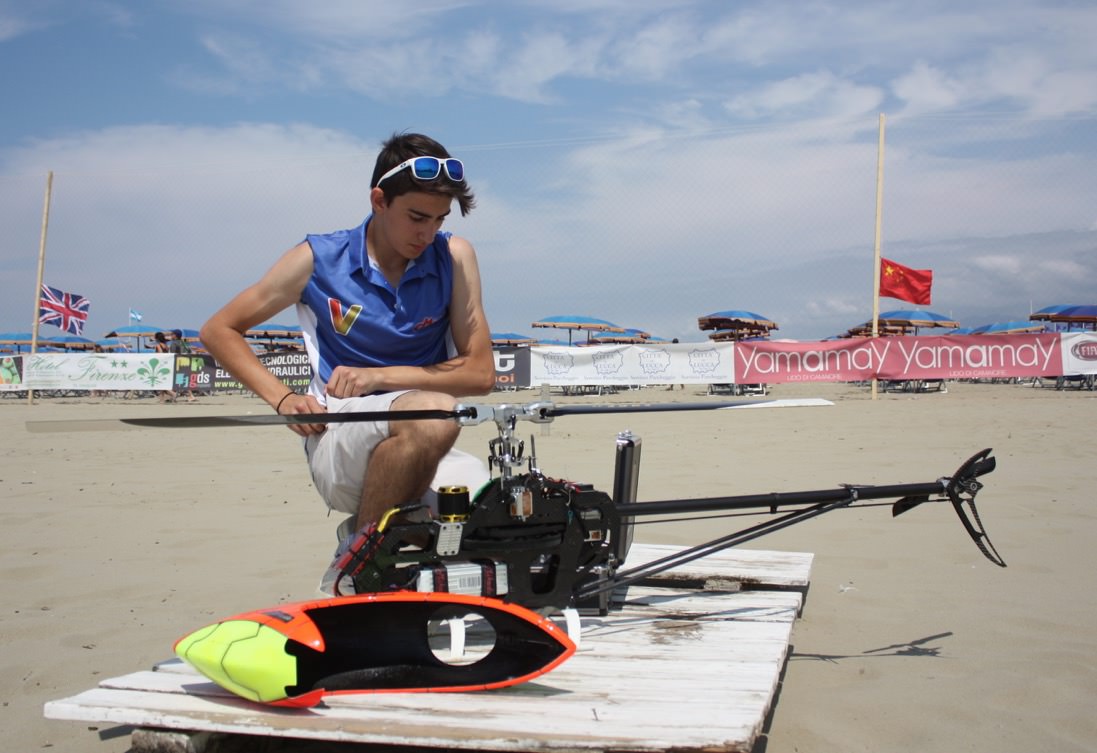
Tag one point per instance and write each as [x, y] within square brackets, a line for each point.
[223, 334]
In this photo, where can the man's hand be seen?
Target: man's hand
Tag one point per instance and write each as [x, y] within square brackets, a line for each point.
[302, 404]
[352, 382]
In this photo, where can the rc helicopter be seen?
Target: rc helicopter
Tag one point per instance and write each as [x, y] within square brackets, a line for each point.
[523, 547]
[542, 542]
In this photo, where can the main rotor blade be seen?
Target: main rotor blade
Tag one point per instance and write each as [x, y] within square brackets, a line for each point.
[217, 422]
[549, 411]
[574, 410]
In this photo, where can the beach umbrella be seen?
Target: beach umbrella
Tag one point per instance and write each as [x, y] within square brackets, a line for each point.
[552, 342]
[1047, 312]
[574, 323]
[271, 329]
[912, 318]
[892, 323]
[738, 335]
[1076, 315]
[631, 335]
[511, 338]
[883, 329]
[69, 342]
[736, 325]
[16, 338]
[1007, 328]
[735, 319]
[136, 330]
[274, 333]
[112, 343]
[614, 339]
[277, 334]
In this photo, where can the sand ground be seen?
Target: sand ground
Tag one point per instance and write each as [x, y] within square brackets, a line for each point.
[117, 543]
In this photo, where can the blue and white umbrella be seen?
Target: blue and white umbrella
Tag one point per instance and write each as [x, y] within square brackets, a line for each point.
[1077, 315]
[1008, 328]
[511, 338]
[572, 322]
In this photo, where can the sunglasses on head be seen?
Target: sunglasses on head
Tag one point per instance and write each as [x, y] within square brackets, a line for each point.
[429, 168]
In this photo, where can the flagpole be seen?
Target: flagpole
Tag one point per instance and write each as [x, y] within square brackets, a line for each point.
[876, 242]
[41, 270]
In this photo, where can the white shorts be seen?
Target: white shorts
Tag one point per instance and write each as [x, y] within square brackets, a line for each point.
[339, 457]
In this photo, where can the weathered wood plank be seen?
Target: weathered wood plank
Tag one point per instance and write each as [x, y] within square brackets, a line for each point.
[753, 567]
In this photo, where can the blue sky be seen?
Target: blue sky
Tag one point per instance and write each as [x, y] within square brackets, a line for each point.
[644, 162]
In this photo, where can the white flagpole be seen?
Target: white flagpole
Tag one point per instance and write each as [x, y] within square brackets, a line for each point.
[876, 243]
[41, 271]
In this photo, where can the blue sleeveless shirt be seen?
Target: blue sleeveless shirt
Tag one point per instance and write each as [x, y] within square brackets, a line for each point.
[351, 316]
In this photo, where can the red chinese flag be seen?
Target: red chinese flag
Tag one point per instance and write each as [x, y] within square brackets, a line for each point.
[904, 283]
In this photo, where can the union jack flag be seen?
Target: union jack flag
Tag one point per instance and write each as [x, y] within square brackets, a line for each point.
[65, 310]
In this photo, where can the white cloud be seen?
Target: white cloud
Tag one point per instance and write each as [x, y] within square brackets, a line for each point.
[1000, 264]
[348, 20]
[12, 26]
[819, 94]
[541, 58]
[926, 88]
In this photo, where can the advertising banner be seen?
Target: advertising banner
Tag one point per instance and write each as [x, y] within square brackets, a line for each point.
[194, 371]
[11, 374]
[900, 358]
[99, 371]
[1079, 352]
[291, 366]
[633, 365]
[511, 367]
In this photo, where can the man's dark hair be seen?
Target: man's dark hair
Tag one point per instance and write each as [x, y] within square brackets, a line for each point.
[404, 146]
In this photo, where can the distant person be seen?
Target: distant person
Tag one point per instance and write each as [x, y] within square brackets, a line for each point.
[160, 345]
[178, 346]
[391, 312]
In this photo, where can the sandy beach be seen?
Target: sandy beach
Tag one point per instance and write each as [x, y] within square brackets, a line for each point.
[115, 543]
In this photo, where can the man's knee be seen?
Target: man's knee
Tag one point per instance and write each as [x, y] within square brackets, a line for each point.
[430, 433]
[436, 435]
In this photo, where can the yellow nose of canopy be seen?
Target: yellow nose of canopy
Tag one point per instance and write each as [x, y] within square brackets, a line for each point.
[242, 656]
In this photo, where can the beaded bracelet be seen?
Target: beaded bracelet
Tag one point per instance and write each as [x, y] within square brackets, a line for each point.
[278, 408]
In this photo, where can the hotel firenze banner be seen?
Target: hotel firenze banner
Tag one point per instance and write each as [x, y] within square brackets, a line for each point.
[98, 371]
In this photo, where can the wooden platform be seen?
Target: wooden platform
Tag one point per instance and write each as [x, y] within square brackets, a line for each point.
[676, 668]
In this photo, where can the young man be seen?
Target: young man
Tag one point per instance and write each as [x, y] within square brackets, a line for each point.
[392, 319]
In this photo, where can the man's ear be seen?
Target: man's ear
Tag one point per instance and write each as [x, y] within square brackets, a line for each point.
[377, 199]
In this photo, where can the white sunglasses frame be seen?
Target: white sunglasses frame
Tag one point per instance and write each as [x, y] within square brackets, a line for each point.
[443, 164]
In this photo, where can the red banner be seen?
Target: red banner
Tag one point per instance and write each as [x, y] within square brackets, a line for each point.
[899, 358]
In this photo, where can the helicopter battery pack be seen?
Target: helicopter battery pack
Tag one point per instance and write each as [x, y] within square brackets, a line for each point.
[470, 578]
